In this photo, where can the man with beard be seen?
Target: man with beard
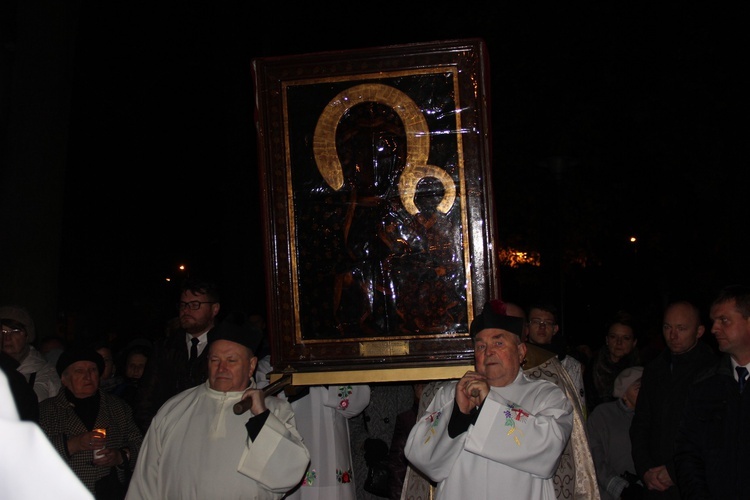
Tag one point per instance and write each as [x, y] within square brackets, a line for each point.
[179, 360]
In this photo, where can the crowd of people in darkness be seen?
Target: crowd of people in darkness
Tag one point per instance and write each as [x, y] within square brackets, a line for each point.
[537, 417]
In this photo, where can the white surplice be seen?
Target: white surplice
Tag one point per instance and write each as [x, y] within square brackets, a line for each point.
[30, 467]
[511, 451]
[197, 448]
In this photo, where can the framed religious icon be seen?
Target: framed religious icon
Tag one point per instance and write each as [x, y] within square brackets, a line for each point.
[376, 188]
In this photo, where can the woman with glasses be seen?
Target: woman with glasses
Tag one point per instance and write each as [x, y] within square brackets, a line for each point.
[18, 334]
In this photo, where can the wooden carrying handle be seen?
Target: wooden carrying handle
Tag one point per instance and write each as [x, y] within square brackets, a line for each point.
[269, 390]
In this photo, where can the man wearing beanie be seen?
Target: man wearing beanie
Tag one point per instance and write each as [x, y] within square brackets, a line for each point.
[495, 431]
[18, 336]
[198, 448]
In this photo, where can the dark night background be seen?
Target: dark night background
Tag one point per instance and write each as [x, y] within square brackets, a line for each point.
[607, 121]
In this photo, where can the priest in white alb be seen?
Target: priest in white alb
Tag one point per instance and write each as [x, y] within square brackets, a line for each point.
[495, 433]
[197, 448]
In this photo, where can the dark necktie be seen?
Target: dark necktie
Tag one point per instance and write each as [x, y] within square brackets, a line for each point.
[194, 350]
[741, 376]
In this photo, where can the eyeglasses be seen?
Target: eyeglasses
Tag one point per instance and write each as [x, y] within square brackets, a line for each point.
[193, 304]
[538, 323]
[14, 331]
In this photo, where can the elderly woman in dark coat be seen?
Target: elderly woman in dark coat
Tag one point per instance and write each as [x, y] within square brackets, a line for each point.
[69, 420]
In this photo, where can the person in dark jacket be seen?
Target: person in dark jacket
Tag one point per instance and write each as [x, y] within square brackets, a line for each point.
[619, 352]
[663, 391]
[172, 369]
[397, 463]
[712, 452]
[134, 361]
[75, 418]
[24, 396]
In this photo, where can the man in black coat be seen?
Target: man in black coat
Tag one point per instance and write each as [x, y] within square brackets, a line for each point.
[712, 457]
[662, 396]
[179, 360]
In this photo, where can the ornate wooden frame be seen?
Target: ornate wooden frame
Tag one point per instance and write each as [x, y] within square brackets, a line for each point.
[375, 174]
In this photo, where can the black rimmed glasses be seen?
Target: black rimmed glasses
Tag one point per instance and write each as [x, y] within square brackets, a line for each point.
[193, 305]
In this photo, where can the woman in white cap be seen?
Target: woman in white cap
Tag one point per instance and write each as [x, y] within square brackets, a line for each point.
[608, 429]
[18, 335]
